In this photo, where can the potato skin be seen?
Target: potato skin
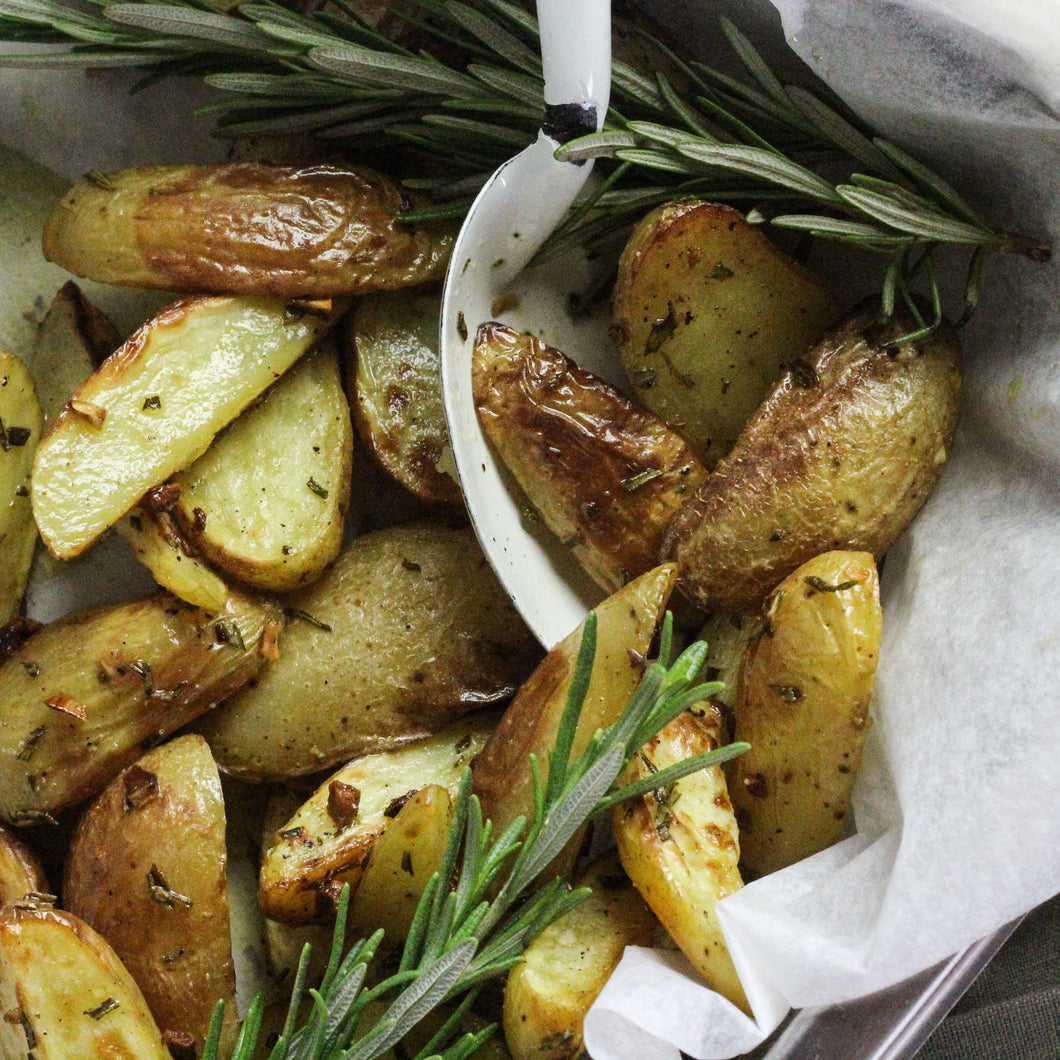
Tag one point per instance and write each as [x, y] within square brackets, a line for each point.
[841, 455]
[707, 313]
[804, 689]
[84, 695]
[246, 228]
[606, 475]
[161, 824]
[407, 630]
[393, 361]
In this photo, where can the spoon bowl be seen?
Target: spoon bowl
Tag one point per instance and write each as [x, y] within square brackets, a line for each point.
[513, 215]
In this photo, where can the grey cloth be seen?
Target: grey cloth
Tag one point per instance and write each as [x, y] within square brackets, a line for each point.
[1012, 1010]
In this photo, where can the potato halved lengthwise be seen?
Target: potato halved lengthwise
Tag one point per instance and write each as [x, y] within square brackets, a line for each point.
[804, 690]
[246, 228]
[564, 969]
[841, 455]
[605, 474]
[147, 870]
[20, 431]
[66, 995]
[155, 405]
[626, 624]
[407, 630]
[394, 364]
[681, 848]
[85, 695]
[266, 502]
[328, 840]
[708, 312]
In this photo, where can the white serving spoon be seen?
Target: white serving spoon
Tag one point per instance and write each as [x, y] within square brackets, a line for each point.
[519, 207]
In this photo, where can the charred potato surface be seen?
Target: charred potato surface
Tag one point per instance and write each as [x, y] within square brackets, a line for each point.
[606, 475]
[841, 455]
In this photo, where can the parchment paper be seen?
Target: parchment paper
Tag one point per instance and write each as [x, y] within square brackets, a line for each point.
[958, 802]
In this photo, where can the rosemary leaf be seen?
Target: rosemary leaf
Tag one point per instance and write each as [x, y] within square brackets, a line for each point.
[929, 225]
[391, 71]
[768, 165]
[173, 20]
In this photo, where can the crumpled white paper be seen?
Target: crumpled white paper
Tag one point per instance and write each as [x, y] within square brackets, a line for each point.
[958, 802]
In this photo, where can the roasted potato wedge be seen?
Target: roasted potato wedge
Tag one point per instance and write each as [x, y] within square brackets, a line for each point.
[626, 623]
[174, 563]
[841, 455]
[708, 312]
[266, 502]
[393, 361]
[147, 870]
[21, 871]
[20, 430]
[73, 340]
[407, 630]
[564, 969]
[65, 994]
[246, 228]
[805, 685]
[401, 863]
[84, 696]
[155, 405]
[327, 841]
[681, 848]
[606, 476]
[284, 942]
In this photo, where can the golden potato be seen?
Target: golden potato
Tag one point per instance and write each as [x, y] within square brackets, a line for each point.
[155, 405]
[841, 455]
[65, 994]
[394, 365]
[708, 312]
[159, 545]
[246, 228]
[680, 845]
[805, 684]
[407, 630]
[564, 969]
[21, 870]
[626, 623]
[327, 841]
[401, 863]
[266, 502]
[605, 475]
[147, 870]
[84, 696]
[20, 430]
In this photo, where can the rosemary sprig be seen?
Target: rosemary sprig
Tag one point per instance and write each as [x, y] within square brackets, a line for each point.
[492, 895]
[678, 128]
